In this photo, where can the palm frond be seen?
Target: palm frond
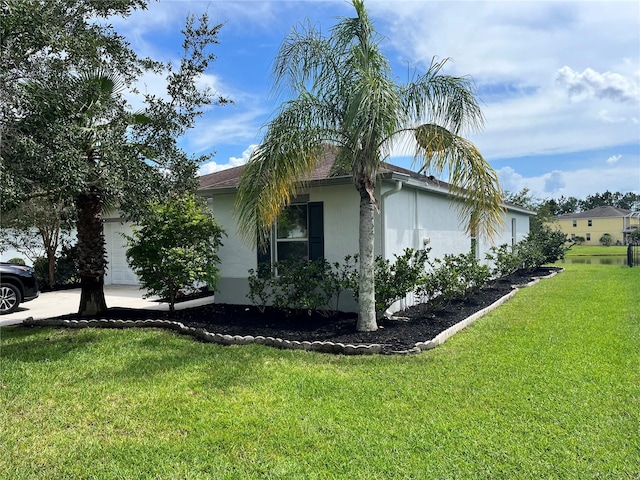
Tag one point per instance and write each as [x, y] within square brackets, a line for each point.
[471, 178]
[281, 165]
[442, 99]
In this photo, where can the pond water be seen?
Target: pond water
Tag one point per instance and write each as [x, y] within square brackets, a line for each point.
[596, 260]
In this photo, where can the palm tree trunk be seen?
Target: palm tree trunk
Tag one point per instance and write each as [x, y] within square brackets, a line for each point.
[92, 253]
[366, 288]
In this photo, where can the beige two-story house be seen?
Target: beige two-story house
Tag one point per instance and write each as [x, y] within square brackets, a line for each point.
[593, 224]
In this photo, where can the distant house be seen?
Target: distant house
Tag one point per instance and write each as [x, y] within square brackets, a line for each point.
[415, 211]
[593, 224]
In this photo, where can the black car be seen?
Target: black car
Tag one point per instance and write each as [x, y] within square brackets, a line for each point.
[17, 284]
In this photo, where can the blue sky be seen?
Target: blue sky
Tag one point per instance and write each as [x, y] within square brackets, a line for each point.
[559, 82]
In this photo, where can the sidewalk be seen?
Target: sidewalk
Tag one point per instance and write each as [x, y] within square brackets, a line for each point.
[63, 302]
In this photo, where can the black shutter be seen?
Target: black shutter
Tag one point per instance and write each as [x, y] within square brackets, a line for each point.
[316, 230]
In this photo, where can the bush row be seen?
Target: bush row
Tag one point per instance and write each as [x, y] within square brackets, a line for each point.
[296, 285]
[318, 285]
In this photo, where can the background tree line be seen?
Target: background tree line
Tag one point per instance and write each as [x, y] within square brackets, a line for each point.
[562, 205]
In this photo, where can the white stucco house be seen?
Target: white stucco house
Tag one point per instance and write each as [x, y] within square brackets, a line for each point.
[415, 211]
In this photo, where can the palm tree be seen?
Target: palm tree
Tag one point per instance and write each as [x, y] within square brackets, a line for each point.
[99, 94]
[344, 94]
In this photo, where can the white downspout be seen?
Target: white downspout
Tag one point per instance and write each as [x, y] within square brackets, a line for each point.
[383, 222]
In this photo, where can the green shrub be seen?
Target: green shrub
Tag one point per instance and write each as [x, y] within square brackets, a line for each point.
[505, 260]
[545, 245]
[340, 277]
[606, 239]
[530, 255]
[65, 268]
[16, 261]
[299, 285]
[453, 277]
[261, 286]
[318, 285]
[66, 272]
[41, 270]
[396, 280]
[175, 245]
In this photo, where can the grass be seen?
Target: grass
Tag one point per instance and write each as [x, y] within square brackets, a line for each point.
[547, 386]
[596, 250]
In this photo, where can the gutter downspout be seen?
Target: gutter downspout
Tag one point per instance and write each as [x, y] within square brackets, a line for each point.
[383, 222]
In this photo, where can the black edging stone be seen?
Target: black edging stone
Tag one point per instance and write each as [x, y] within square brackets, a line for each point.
[315, 346]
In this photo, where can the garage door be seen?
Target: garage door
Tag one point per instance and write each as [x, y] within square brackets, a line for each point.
[118, 271]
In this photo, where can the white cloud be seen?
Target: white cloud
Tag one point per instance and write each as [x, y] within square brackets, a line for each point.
[221, 128]
[510, 180]
[590, 84]
[150, 84]
[574, 183]
[211, 167]
[613, 159]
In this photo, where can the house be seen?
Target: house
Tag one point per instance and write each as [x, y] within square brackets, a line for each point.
[414, 211]
[593, 224]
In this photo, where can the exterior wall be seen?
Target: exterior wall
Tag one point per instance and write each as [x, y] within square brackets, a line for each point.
[411, 216]
[599, 226]
[341, 216]
[341, 220]
[515, 227]
[417, 219]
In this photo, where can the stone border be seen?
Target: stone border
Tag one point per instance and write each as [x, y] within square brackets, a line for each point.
[316, 346]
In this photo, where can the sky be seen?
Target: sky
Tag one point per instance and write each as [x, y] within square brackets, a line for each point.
[558, 82]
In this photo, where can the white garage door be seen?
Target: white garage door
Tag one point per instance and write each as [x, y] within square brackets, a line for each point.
[118, 271]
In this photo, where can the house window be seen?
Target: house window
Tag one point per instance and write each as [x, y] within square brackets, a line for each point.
[590, 223]
[514, 237]
[575, 223]
[297, 234]
[588, 237]
[291, 233]
[573, 236]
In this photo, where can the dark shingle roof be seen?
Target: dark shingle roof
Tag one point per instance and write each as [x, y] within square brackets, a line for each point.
[598, 212]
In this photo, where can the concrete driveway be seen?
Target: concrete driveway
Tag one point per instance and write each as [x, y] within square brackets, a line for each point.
[63, 302]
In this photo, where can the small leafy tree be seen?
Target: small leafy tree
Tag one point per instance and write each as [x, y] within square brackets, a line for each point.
[606, 239]
[552, 244]
[175, 246]
[38, 228]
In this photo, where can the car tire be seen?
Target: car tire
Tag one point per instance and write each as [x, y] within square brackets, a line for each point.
[9, 298]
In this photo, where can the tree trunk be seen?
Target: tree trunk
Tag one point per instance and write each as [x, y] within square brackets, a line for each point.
[366, 289]
[92, 253]
[51, 262]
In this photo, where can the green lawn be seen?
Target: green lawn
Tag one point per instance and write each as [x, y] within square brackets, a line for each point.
[547, 386]
[596, 250]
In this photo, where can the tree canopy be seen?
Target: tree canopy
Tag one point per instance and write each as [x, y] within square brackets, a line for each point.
[67, 130]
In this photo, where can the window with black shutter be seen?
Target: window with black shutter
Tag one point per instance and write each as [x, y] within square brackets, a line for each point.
[297, 234]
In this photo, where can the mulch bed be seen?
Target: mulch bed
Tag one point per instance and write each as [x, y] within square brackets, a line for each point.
[421, 323]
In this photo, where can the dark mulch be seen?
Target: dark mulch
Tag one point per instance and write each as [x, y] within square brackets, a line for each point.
[422, 323]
